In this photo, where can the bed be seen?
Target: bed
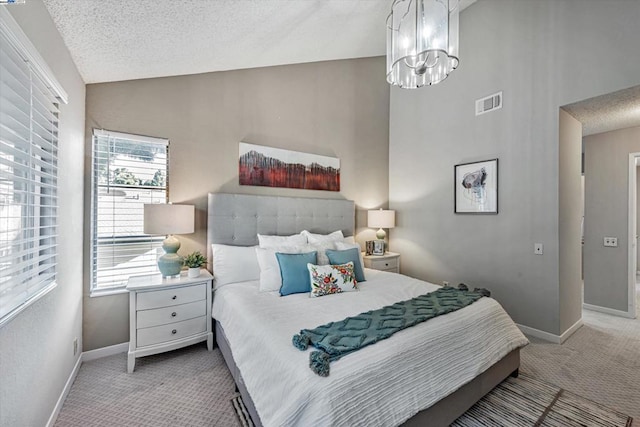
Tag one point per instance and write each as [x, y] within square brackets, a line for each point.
[426, 375]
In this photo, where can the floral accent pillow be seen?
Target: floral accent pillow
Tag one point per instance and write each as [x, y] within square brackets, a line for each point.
[332, 279]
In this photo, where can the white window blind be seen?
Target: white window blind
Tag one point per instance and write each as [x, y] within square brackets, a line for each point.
[28, 175]
[128, 172]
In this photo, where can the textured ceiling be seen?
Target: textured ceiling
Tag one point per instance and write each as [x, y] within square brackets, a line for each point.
[113, 40]
[616, 110]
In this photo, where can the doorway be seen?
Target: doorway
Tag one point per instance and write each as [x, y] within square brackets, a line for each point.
[634, 287]
[612, 144]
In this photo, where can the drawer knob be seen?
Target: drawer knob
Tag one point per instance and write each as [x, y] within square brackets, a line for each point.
[174, 332]
[174, 297]
[173, 314]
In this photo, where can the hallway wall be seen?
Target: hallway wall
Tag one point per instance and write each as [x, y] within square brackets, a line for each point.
[606, 215]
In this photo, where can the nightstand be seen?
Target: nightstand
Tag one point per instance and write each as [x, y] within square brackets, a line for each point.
[390, 261]
[168, 313]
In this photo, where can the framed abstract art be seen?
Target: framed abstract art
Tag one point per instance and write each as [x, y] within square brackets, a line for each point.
[476, 187]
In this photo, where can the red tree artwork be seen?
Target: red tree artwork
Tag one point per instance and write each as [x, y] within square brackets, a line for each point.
[274, 167]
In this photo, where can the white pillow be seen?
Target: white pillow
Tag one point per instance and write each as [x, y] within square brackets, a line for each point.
[331, 279]
[349, 239]
[341, 246]
[232, 264]
[313, 238]
[270, 277]
[321, 248]
[267, 241]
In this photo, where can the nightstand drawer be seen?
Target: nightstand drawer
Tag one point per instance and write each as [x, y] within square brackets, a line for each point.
[384, 264]
[172, 331]
[172, 314]
[169, 297]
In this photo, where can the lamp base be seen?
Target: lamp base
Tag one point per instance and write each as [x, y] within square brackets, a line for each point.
[380, 234]
[170, 263]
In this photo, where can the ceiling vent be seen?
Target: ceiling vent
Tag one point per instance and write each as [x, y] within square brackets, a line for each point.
[489, 103]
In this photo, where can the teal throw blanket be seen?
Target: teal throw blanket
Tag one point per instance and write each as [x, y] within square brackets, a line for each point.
[337, 339]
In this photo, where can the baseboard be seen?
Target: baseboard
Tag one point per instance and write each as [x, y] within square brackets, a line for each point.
[547, 336]
[65, 393]
[607, 310]
[105, 351]
[85, 356]
[537, 333]
[566, 334]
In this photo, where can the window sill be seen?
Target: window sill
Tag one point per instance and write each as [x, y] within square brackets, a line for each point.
[107, 292]
[11, 315]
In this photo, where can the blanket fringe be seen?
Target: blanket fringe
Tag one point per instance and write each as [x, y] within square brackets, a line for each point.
[301, 342]
[319, 363]
[482, 291]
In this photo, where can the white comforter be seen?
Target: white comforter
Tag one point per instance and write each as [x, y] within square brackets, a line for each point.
[383, 384]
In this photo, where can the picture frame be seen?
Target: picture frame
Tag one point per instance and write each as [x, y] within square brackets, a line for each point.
[476, 188]
[259, 165]
[368, 247]
[378, 247]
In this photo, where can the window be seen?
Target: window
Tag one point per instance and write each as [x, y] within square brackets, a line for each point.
[128, 172]
[29, 99]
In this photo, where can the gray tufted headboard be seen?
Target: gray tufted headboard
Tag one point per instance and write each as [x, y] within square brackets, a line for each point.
[236, 219]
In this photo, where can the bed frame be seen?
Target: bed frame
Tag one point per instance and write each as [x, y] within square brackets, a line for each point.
[236, 219]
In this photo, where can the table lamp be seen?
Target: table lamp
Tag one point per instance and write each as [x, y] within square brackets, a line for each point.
[381, 219]
[169, 219]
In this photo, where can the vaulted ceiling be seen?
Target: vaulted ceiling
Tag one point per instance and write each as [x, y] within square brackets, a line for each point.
[113, 40]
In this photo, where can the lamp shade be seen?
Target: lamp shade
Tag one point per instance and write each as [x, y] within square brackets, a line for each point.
[381, 218]
[168, 219]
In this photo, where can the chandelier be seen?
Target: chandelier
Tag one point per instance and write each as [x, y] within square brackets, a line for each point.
[422, 42]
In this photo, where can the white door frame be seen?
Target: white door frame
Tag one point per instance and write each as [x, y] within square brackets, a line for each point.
[632, 231]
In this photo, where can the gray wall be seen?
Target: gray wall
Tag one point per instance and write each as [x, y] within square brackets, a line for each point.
[336, 108]
[541, 54]
[606, 214]
[36, 347]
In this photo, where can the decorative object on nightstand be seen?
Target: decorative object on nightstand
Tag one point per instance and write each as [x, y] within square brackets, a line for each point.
[169, 219]
[378, 248]
[368, 248]
[380, 219]
[168, 313]
[194, 261]
[390, 261]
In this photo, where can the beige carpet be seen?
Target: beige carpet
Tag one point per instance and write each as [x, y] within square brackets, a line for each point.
[600, 361]
[192, 387]
[186, 387]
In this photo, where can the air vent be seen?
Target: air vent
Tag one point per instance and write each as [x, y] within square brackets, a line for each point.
[489, 103]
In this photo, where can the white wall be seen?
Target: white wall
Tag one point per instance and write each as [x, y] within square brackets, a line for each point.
[637, 215]
[543, 54]
[36, 350]
[570, 218]
[606, 215]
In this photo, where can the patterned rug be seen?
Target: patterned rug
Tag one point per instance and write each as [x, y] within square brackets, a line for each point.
[241, 411]
[520, 402]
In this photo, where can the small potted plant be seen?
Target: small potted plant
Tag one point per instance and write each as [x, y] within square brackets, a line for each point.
[194, 261]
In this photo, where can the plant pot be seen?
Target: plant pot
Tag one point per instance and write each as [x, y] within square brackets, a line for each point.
[194, 272]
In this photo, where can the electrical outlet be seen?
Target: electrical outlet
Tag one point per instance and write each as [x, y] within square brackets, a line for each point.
[75, 346]
[538, 248]
[611, 242]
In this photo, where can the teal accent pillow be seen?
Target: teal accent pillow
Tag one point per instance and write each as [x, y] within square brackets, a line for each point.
[293, 269]
[345, 256]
